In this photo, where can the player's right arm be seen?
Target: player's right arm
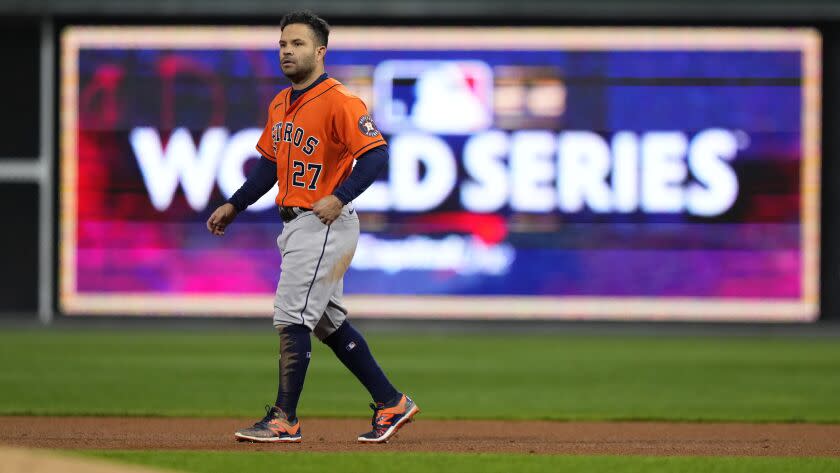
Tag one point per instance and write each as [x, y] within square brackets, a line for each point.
[221, 218]
[260, 180]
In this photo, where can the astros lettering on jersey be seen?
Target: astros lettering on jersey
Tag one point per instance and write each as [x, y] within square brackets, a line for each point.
[315, 140]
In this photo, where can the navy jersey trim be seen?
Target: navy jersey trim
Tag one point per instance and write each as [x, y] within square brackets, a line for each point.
[378, 142]
[265, 155]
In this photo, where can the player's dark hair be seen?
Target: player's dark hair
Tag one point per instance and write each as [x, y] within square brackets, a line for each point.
[305, 17]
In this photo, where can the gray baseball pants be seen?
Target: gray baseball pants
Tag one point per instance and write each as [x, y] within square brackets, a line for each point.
[315, 258]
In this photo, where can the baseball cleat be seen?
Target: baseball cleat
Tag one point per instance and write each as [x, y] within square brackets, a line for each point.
[388, 420]
[274, 427]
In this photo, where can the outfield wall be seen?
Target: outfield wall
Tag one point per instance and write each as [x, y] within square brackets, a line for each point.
[39, 287]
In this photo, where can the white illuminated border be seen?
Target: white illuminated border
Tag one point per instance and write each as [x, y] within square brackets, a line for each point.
[805, 40]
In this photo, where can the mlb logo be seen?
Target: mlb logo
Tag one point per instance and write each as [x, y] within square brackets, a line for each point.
[441, 97]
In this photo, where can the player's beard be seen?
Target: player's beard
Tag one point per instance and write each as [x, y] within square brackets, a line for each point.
[301, 70]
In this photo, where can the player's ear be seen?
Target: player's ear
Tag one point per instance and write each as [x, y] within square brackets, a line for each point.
[321, 51]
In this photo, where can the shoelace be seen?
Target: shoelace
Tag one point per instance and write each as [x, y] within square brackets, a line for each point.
[375, 415]
[269, 416]
[376, 418]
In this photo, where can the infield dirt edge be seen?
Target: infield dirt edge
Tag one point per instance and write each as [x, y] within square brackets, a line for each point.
[445, 436]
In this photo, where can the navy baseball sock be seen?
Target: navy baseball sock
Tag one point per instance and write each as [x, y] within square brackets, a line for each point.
[351, 348]
[295, 350]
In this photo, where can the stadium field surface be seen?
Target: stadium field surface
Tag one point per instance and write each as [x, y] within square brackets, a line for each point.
[490, 402]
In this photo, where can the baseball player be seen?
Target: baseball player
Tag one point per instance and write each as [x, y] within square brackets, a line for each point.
[314, 132]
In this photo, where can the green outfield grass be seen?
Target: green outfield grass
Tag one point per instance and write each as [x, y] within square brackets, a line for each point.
[458, 376]
[222, 462]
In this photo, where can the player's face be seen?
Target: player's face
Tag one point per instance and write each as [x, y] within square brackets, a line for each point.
[299, 52]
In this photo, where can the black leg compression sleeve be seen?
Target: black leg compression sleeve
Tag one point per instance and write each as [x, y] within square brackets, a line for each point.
[295, 350]
[351, 348]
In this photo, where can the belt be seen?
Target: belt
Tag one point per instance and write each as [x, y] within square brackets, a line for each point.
[290, 213]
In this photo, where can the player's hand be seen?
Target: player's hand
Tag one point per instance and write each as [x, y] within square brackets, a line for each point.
[221, 218]
[327, 209]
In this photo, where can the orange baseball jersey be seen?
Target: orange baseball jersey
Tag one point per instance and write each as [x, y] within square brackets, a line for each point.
[315, 140]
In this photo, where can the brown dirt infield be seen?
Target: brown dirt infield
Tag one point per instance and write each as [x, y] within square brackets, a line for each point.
[18, 460]
[333, 435]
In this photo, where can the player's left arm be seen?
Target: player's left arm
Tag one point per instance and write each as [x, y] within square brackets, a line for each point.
[354, 128]
[368, 167]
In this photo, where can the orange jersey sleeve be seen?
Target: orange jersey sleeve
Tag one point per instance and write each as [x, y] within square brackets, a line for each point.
[267, 144]
[315, 140]
[354, 127]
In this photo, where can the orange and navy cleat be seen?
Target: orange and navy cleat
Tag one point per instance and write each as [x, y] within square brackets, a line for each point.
[274, 427]
[387, 420]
